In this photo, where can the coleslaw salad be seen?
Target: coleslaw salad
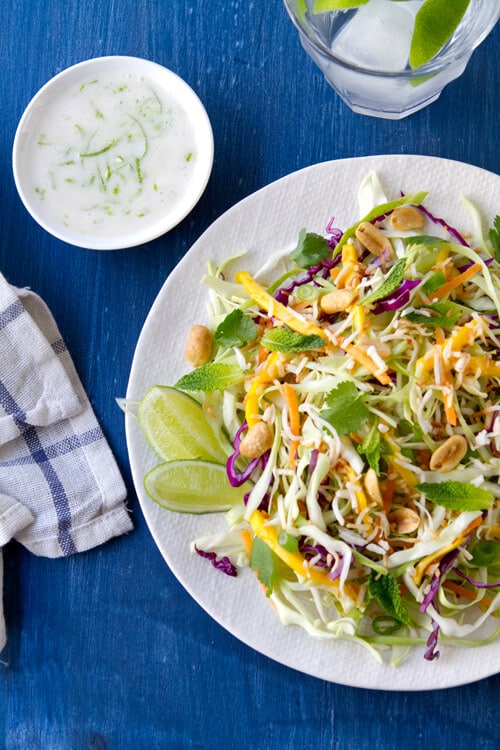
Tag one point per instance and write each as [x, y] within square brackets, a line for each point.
[352, 525]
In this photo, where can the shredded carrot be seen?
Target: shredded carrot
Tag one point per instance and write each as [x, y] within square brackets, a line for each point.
[334, 272]
[444, 290]
[467, 593]
[294, 419]
[362, 358]
[460, 590]
[247, 541]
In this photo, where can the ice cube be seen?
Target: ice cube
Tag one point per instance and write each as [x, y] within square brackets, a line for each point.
[378, 36]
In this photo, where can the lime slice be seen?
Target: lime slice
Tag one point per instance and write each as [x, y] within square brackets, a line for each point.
[435, 24]
[193, 487]
[175, 426]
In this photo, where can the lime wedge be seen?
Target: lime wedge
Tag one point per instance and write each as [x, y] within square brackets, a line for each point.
[435, 24]
[175, 426]
[193, 487]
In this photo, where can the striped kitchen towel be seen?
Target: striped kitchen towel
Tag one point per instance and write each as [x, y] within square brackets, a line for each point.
[61, 491]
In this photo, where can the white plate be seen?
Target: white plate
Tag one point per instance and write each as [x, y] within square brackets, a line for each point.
[263, 223]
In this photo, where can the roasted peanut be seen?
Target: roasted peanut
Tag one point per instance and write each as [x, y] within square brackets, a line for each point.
[404, 520]
[372, 487]
[407, 217]
[257, 441]
[199, 346]
[449, 454]
[337, 301]
[374, 240]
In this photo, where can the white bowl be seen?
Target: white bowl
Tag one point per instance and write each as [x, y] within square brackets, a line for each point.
[112, 152]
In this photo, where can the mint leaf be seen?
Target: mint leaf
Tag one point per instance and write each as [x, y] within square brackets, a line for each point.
[213, 376]
[237, 329]
[370, 448]
[345, 409]
[311, 249]
[433, 283]
[265, 563]
[287, 341]
[442, 314]
[385, 589]
[494, 237]
[459, 496]
[390, 284]
[485, 553]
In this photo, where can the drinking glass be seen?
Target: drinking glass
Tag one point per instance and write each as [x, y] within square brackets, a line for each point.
[364, 52]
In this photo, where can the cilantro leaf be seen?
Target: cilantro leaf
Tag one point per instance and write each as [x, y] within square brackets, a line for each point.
[345, 409]
[285, 340]
[442, 314]
[237, 329]
[459, 496]
[265, 563]
[311, 249]
[494, 237]
[210, 377]
[385, 589]
[390, 284]
[370, 448]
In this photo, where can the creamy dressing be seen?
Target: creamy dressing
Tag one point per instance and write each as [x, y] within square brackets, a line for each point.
[110, 154]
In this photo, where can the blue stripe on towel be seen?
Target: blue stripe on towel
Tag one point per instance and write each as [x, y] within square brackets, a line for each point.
[59, 497]
[10, 313]
[60, 448]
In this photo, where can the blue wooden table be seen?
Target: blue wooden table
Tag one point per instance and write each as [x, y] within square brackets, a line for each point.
[106, 649]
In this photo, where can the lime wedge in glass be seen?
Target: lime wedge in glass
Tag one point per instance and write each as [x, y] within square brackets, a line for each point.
[435, 24]
[193, 487]
[175, 426]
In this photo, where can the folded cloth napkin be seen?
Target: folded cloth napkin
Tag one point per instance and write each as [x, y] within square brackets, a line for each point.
[61, 491]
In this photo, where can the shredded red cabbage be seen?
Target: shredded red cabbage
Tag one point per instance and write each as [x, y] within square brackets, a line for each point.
[237, 478]
[451, 230]
[447, 563]
[223, 564]
[478, 584]
[334, 232]
[398, 299]
[486, 261]
[432, 652]
[322, 558]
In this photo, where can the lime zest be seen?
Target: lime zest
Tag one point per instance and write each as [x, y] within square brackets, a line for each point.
[103, 150]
